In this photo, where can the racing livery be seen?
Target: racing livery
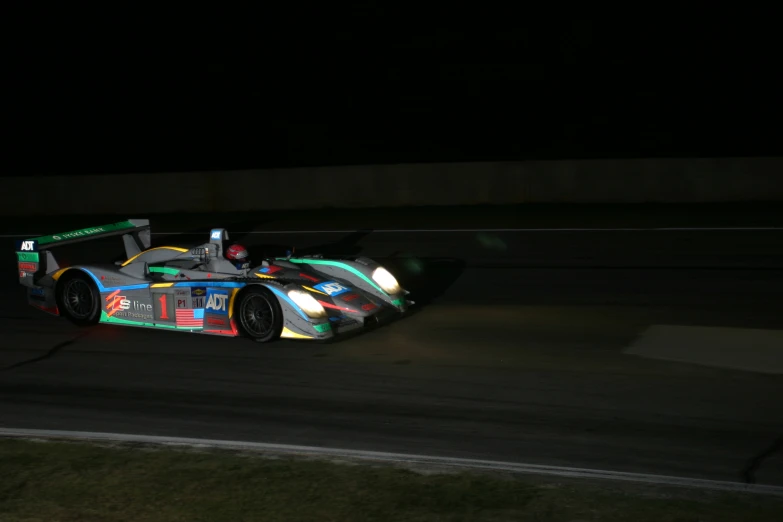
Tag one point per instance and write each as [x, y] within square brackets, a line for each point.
[208, 289]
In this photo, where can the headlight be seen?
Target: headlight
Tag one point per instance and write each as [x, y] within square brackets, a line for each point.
[385, 280]
[307, 303]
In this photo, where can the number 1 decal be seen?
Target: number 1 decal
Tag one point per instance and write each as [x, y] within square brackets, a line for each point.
[163, 306]
[163, 312]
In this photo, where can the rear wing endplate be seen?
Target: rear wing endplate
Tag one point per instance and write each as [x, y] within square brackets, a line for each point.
[34, 258]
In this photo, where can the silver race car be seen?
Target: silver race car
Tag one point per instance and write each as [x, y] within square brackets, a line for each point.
[202, 290]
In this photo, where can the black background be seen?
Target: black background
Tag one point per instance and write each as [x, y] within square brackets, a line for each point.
[364, 87]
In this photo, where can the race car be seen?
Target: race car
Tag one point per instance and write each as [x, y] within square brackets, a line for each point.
[205, 290]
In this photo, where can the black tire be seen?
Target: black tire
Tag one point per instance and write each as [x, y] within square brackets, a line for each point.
[259, 316]
[78, 298]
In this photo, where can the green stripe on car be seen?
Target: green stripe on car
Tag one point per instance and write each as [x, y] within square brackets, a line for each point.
[105, 318]
[84, 232]
[31, 257]
[337, 264]
[164, 270]
[321, 328]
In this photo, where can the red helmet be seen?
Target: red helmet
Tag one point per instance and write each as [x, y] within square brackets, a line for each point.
[236, 253]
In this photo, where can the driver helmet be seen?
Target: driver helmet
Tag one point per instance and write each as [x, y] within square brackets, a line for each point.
[237, 253]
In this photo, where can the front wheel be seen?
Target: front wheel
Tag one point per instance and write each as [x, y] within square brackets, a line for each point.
[78, 299]
[259, 315]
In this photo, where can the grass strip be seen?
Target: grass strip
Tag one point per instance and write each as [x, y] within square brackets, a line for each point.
[70, 482]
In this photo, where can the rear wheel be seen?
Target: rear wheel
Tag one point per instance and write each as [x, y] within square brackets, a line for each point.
[259, 315]
[78, 298]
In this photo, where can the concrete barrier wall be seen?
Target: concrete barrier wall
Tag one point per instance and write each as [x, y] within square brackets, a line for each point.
[592, 181]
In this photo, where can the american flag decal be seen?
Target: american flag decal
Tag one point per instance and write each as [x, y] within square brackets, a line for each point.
[190, 317]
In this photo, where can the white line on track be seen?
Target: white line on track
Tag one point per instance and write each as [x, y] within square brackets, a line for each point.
[401, 458]
[463, 230]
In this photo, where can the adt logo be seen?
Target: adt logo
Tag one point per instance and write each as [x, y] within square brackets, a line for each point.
[332, 288]
[217, 234]
[27, 246]
[217, 302]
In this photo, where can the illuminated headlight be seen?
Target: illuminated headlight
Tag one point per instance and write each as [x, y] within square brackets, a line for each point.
[385, 280]
[307, 303]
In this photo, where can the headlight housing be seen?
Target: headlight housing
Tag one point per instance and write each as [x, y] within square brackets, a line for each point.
[307, 303]
[386, 281]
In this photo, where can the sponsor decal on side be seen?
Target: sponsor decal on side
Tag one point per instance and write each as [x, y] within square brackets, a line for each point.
[116, 303]
[216, 234]
[120, 306]
[28, 267]
[216, 321]
[27, 256]
[369, 306]
[112, 280]
[27, 246]
[199, 295]
[331, 288]
[80, 233]
[85, 232]
[183, 298]
[217, 301]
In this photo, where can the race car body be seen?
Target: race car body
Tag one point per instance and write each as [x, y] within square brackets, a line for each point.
[199, 290]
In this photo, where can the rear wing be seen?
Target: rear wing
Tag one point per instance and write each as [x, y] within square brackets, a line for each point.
[35, 260]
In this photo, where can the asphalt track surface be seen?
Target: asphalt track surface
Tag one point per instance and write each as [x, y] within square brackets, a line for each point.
[515, 352]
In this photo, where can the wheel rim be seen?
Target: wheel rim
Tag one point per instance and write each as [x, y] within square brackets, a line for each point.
[258, 316]
[78, 299]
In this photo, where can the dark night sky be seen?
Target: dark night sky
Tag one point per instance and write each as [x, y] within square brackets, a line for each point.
[128, 100]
